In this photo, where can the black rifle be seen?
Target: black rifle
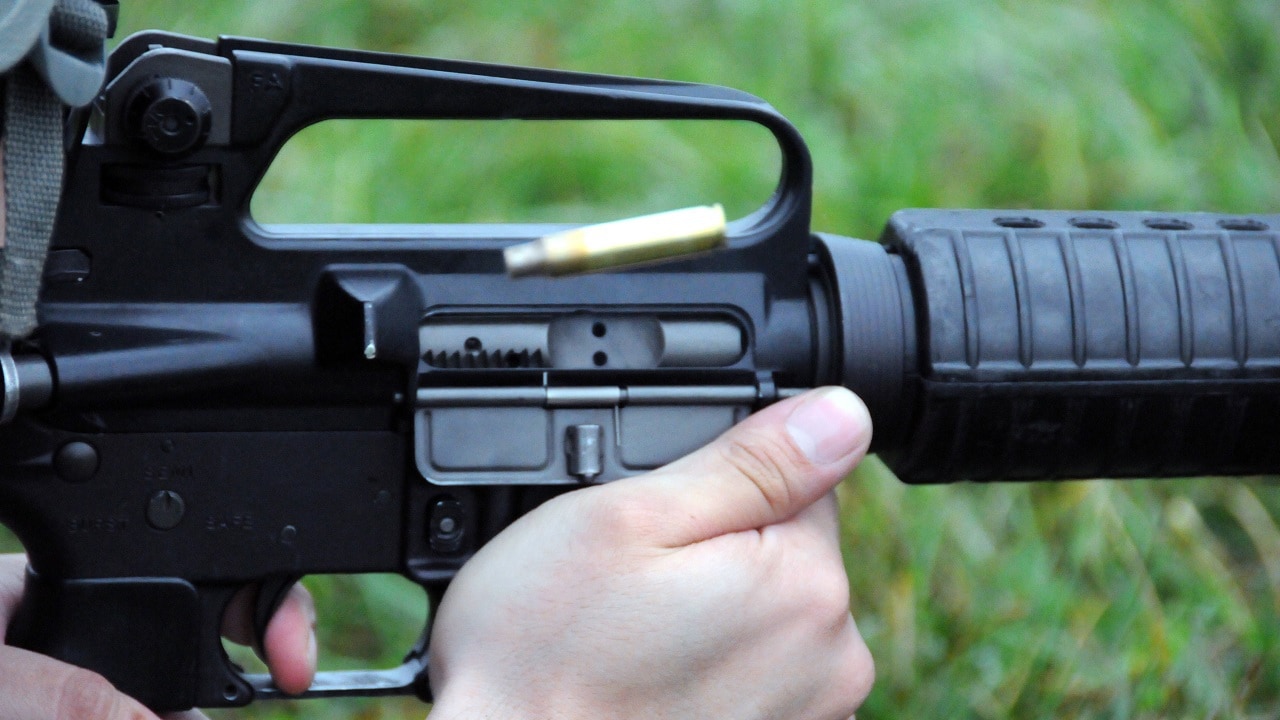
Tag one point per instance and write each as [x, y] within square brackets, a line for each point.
[210, 404]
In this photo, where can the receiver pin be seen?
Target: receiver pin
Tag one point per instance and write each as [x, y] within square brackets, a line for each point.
[619, 244]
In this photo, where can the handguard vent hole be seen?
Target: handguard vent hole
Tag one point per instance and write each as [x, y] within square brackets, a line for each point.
[1025, 223]
[1242, 225]
[472, 344]
[1094, 223]
[1167, 224]
[599, 329]
[601, 359]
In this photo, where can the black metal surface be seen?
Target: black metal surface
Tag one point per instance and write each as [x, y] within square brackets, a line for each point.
[237, 405]
[209, 404]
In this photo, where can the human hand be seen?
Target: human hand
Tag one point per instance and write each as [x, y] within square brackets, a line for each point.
[710, 588]
[33, 686]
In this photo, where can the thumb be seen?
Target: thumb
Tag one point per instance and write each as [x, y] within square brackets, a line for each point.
[763, 471]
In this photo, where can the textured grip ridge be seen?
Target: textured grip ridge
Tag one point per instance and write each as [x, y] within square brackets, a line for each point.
[1058, 344]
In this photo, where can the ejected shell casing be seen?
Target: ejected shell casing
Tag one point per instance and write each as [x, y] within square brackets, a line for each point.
[622, 243]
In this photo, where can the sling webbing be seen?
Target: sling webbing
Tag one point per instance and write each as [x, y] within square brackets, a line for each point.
[31, 135]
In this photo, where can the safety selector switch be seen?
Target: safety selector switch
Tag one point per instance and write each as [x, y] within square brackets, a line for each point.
[582, 446]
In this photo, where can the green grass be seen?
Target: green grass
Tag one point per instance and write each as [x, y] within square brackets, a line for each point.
[1101, 599]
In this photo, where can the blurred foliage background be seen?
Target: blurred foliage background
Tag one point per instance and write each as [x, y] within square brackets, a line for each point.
[1102, 599]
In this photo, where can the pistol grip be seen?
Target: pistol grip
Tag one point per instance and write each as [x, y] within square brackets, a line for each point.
[142, 634]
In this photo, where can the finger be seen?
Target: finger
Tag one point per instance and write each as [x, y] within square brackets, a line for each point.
[289, 646]
[237, 620]
[290, 642]
[12, 576]
[823, 516]
[857, 673]
[763, 471]
[814, 527]
[188, 715]
[38, 687]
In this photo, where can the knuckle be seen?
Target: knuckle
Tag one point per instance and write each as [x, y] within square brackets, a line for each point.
[768, 463]
[830, 597]
[857, 675]
[623, 516]
[85, 694]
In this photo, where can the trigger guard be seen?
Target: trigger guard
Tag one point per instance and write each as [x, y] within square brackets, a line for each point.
[410, 677]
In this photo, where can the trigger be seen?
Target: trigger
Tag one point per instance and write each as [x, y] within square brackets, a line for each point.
[271, 594]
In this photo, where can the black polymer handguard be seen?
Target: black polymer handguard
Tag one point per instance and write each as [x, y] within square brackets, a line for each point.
[1052, 344]
[1070, 345]
[211, 404]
